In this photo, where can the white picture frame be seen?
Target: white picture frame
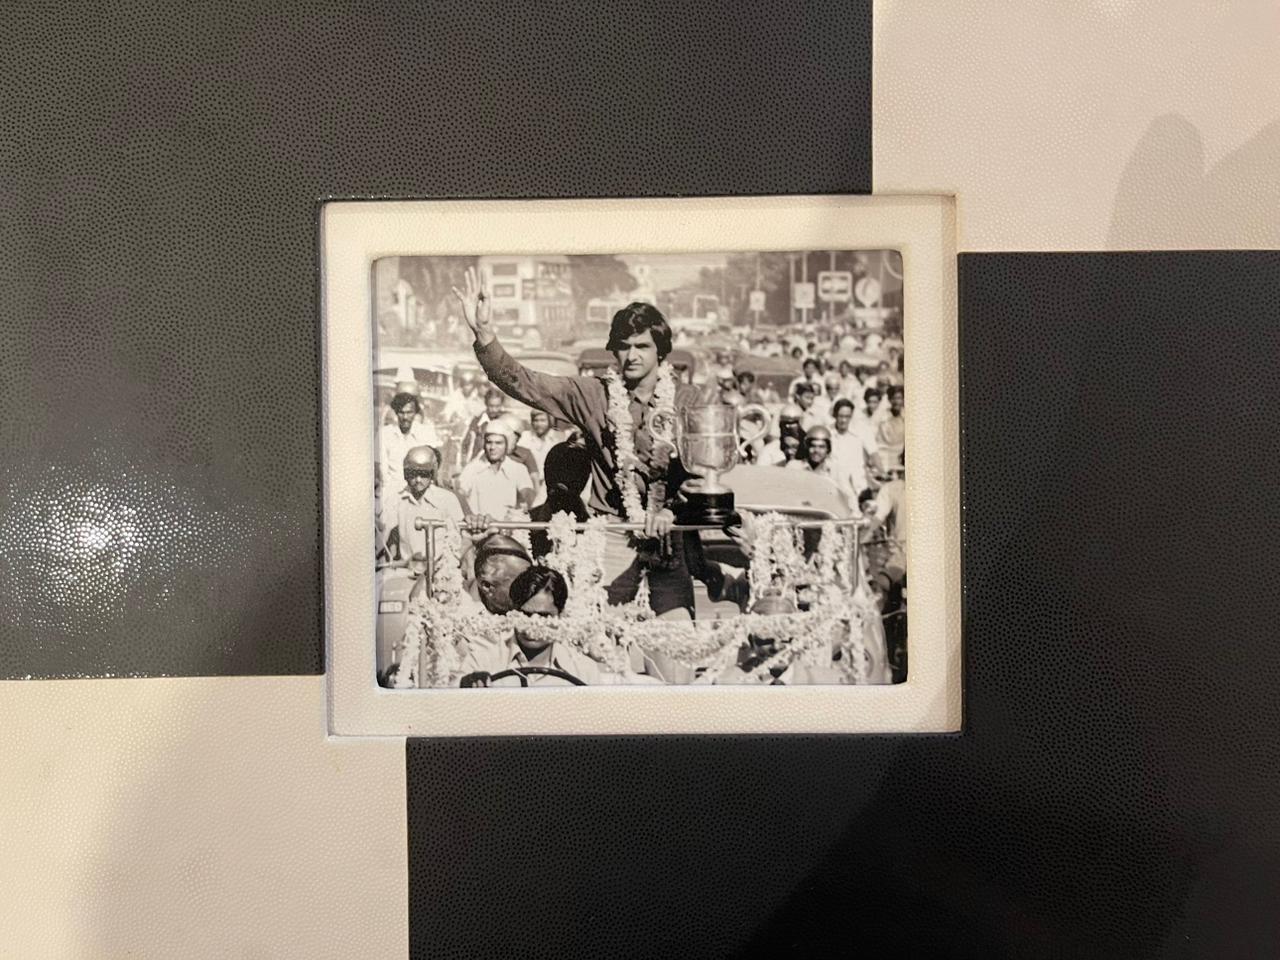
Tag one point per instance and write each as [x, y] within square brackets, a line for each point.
[921, 228]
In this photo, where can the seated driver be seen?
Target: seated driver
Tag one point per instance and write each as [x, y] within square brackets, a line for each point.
[539, 592]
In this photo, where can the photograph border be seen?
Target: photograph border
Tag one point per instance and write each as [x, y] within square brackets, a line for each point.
[355, 233]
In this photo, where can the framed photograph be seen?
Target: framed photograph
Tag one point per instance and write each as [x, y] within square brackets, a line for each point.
[641, 466]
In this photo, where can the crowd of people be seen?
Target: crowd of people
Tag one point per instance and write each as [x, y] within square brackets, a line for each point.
[518, 444]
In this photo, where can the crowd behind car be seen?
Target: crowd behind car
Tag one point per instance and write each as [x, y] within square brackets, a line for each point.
[826, 398]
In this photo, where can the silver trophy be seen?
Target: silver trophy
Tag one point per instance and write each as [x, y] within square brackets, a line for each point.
[707, 438]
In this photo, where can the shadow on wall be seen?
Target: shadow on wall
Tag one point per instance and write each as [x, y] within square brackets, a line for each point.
[1166, 195]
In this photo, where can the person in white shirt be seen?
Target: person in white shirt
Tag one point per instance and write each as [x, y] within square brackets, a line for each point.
[539, 592]
[812, 375]
[400, 437]
[854, 452]
[538, 440]
[422, 498]
[812, 415]
[770, 454]
[816, 458]
[495, 402]
[495, 484]
[834, 389]
[891, 434]
[867, 420]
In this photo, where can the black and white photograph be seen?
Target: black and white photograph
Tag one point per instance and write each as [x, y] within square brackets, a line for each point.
[640, 469]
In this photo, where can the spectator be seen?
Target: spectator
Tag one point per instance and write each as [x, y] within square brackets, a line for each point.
[788, 418]
[867, 420]
[422, 498]
[568, 470]
[499, 559]
[853, 452]
[538, 441]
[400, 437]
[812, 375]
[806, 399]
[473, 443]
[495, 484]
[891, 435]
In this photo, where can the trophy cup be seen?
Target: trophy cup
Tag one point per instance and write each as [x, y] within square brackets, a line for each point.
[708, 444]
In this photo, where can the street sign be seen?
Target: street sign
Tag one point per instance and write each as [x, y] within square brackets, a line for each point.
[868, 291]
[835, 286]
[802, 296]
[757, 301]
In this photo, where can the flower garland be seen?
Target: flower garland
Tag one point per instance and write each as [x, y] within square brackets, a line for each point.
[443, 625]
[579, 557]
[661, 425]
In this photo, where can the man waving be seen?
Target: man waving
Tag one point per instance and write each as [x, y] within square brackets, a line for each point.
[628, 422]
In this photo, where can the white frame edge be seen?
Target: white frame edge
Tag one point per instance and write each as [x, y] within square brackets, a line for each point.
[356, 233]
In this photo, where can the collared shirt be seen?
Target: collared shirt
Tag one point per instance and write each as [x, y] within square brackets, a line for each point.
[492, 488]
[495, 658]
[584, 402]
[833, 474]
[890, 510]
[815, 381]
[394, 445]
[539, 447]
[771, 455]
[865, 425]
[437, 503]
[852, 452]
[473, 442]
[814, 417]
[891, 438]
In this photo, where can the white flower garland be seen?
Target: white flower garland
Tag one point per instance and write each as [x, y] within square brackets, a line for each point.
[443, 625]
[661, 425]
[579, 557]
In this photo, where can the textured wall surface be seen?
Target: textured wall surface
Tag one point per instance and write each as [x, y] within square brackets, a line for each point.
[1113, 792]
[1095, 124]
[195, 817]
[159, 491]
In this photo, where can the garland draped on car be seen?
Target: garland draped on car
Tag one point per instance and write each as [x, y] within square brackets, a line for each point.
[442, 624]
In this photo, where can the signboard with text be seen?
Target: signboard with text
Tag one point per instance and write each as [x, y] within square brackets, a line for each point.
[835, 286]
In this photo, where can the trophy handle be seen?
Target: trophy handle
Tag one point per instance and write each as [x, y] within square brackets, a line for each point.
[758, 430]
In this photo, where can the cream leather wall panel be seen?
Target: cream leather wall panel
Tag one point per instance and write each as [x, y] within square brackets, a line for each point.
[1084, 124]
[195, 818]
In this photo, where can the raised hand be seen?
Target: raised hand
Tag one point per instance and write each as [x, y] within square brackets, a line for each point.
[476, 308]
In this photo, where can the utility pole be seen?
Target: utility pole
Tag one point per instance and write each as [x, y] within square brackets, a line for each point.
[804, 278]
[791, 290]
[831, 304]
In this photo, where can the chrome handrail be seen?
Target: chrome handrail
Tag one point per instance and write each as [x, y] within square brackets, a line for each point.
[425, 523]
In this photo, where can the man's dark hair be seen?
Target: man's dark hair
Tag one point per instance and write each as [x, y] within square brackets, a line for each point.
[811, 360]
[842, 402]
[498, 545]
[792, 428]
[870, 392]
[805, 386]
[567, 464]
[533, 581]
[900, 391]
[494, 392]
[636, 318]
[402, 400]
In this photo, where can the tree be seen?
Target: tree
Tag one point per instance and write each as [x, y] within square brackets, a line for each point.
[597, 275]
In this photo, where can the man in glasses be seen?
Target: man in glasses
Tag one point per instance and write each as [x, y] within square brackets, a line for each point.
[422, 497]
